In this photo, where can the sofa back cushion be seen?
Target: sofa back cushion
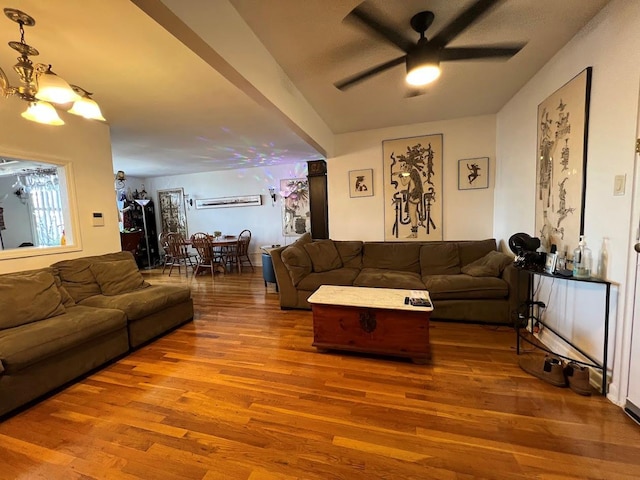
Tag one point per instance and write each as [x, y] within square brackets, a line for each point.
[439, 258]
[77, 277]
[324, 255]
[28, 297]
[401, 256]
[296, 259]
[117, 277]
[350, 252]
[472, 250]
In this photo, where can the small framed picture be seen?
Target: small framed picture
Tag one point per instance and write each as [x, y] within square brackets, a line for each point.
[361, 183]
[473, 173]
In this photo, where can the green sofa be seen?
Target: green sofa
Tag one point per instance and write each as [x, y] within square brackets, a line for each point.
[61, 322]
[466, 280]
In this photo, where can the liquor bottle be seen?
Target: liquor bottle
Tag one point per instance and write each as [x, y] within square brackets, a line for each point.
[582, 260]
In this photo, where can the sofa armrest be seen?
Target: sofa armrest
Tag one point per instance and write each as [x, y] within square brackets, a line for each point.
[288, 291]
[518, 288]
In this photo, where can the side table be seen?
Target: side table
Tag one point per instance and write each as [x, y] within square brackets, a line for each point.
[531, 319]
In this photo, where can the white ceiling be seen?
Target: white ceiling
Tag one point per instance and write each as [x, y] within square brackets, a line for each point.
[170, 112]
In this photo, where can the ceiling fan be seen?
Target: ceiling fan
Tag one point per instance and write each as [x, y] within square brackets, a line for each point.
[422, 58]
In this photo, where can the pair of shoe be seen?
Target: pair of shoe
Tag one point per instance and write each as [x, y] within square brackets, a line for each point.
[553, 370]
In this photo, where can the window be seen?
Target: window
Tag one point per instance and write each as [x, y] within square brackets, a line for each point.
[42, 186]
[36, 208]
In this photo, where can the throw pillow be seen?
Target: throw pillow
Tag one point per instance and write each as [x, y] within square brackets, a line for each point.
[27, 298]
[491, 265]
[117, 277]
[324, 255]
[297, 261]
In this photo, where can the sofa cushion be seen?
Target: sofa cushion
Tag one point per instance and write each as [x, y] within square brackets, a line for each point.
[142, 302]
[26, 345]
[439, 258]
[400, 256]
[324, 255]
[491, 265]
[297, 261]
[472, 250]
[116, 277]
[384, 278]
[340, 276]
[28, 297]
[350, 252]
[67, 299]
[77, 277]
[446, 287]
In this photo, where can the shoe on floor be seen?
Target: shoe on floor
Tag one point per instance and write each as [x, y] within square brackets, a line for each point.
[578, 377]
[548, 368]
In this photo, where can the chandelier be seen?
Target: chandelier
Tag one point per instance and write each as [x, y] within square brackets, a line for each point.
[40, 87]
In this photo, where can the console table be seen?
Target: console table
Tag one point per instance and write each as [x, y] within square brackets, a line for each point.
[531, 304]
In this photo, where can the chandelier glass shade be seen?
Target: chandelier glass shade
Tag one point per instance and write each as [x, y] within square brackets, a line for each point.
[40, 86]
[42, 112]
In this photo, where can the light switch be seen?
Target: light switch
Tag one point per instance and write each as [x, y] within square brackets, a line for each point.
[98, 219]
[619, 182]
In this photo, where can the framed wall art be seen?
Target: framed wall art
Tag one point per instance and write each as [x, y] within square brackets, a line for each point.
[296, 217]
[563, 120]
[225, 202]
[361, 183]
[413, 188]
[473, 173]
[173, 217]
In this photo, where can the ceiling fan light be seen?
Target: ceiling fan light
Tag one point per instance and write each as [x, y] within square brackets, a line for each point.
[88, 108]
[52, 88]
[423, 74]
[42, 112]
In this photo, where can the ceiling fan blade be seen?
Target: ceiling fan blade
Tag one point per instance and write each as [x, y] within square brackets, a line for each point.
[470, 53]
[367, 18]
[462, 21]
[355, 79]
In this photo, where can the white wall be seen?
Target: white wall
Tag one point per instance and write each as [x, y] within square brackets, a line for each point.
[468, 214]
[611, 44]
[87, 147]
[264, 221]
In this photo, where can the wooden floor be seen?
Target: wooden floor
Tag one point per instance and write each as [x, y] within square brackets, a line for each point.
[240, 393]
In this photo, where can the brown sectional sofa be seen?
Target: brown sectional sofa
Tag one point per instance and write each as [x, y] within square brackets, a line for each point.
[61, 322]
[466, 280]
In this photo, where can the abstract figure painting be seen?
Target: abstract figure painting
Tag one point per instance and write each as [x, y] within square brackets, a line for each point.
[473, 173]
[413, 188]
[561, 168]
[296, 218]
[361, 183]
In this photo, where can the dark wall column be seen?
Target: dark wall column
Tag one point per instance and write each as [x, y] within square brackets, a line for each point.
[318, 198]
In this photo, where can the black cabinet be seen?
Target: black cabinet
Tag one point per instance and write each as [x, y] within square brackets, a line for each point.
[133, 219]
[318, 206]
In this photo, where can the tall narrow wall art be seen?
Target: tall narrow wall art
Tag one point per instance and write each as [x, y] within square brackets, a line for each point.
[413, 188]
[563, 120]
[296, 218]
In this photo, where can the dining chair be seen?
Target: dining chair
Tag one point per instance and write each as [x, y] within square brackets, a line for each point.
[240, 254]
[179, 251]
[164, 246]
[206, 255]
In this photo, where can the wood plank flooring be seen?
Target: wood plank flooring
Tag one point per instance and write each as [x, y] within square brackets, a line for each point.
[240, 393]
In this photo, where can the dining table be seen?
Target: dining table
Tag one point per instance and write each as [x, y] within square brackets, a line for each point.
[222, 247]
